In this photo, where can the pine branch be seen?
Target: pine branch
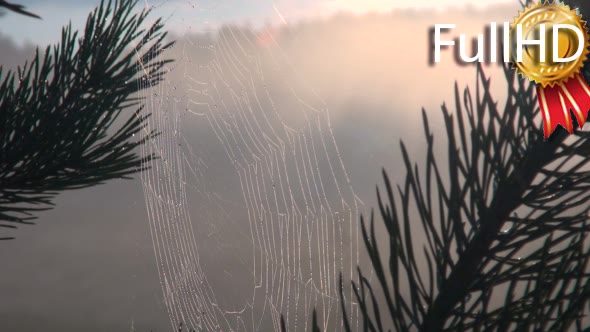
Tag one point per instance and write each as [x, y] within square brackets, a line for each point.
[506, 200]
[499, 166]
[59, 127]
[17, 9]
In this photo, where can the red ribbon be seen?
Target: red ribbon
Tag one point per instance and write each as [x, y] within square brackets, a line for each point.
[557, 101]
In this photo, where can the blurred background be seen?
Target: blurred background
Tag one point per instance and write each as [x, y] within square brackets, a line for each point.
[266, 102]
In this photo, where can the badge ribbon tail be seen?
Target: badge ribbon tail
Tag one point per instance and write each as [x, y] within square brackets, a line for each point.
[557, 101]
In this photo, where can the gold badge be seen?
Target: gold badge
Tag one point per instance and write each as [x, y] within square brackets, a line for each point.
[538, 21]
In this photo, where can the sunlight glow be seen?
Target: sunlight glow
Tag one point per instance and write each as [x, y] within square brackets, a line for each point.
[384, 6]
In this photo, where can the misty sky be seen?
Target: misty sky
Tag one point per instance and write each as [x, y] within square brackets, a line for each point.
[191, 16]
[90, 263]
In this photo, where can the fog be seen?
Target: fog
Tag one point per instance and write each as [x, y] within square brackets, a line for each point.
[90, 262]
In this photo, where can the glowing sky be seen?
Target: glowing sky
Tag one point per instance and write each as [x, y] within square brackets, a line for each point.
[189, 15]
[356, 6]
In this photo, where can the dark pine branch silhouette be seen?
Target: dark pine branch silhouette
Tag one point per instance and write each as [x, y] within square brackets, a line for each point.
[505, 222]
[58, 113]
[20, 9]
[505, 228]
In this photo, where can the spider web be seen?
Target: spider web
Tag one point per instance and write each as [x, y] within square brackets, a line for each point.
[251, 211]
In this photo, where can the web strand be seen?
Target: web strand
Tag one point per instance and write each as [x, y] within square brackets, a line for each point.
[251, 211]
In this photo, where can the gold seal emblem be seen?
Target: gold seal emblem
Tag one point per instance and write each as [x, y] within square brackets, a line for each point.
[532, 21]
